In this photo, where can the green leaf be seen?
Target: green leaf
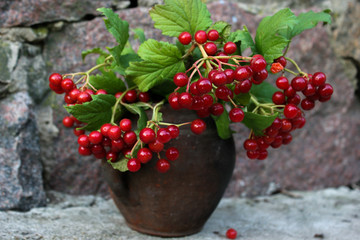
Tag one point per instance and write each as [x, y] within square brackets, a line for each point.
[124, 62]
[93, 51]
[258, 122]
[268, 40]
[223, 125]
[139, 33]
[161, 62]
[263, 92]
[120, 165]
[223, 28]
[108, 81]
[244, 37]
[137, 108]
[95, 113]
[242, 99]
[118, 28]
[309, 20]
[177, 16]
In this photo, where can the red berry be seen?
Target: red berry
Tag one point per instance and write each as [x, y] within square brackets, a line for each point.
[231, 233]
[325, 90]
[276, 124]
[210, 48]
[117, 145]
[55, 79]
[95, 137]
[290, 111]
[174, 101]
[83, 140]
[219, 78]
[257, 63]
[68, 122]
[290, 92]
[56, 89]
[213, 35]
[217, 109]
[259, 77]
[230, 48]
[230, 75]
[144, 97]
[298, 83]
[223, 93]
[286, 125]
[172, 153]
[203, 85]
[156, 146]
[242, 73]
[89, 91]
[286, 138]
[250, 145]
[252, 154]
[207, 100]
[200, 36]
[198, 126]
[281, 60]
[174, 131]
[78, 132]
[318, 79]
[163, 135]
[162, 165]
[68, 99]
[105, 128]
[100, 91]
[133, 165]
[310, 90]
[97, 149]
[243, 87]
[106, 142]
[185, 38]
[74, 93]
[262, 154]
[125, 125]
[84, 97]
[236, 115]
[114, 132]
[111, 156]
[222, 54]
[181, 79]
[144, 155]
[67, 84]
[185, 100]
[130, 138]
[193, 89]
[84, 151]
[147, 135]
[307, 104]
[282, 83]
[278, 98]
[130, 96]
[118, 94]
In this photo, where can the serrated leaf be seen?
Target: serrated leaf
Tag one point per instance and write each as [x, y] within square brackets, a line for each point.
[263, 92]
[258, 122]
[309, 20]
[177, 16]
[161, 62]
[268, 40]
[137, 108]
[139, 33]
[124, 62]
[95, 113]
[223, 125]
[244, 37]
[120, 165]
[93, 51]
[242, 99]
[223, 28]
[118, 28]
[107, 81]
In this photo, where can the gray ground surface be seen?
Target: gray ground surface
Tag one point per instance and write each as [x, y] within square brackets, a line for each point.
[324, 214]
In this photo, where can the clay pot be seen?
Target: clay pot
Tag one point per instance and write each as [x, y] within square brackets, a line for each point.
[178, 202]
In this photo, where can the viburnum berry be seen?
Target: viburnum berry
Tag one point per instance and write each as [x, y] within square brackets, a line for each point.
[181, 79]
[243, 86]
[172, 153]
[213, 35]
[74, 93]
[144, 97]
[68, 122]
[144, 155]
[282, 83]
[95, 137]
[207, 100]
[203, 85]
[185, 100]
[133, 165]
[257, 63]
[156, 146]
[236, 115]
[193, 89]
[130, 138]
[310, 90]
[286, 138]
[67, 84]
[173, 130]
[112, 156]
[219, 78]
[84, 151]
[262, 154]
[100, 91]
[278, 98]
[318, 79]
[97, 149]
[125, 125]
[230, 48]
[230, 75]
[163, 135]
[162, 165]
[281, 60]
[114, 132]
[200, 37]
[290, 111]
[83, 97]
[252, 154]
[147, 135]
[130, 96]
[250, 145]
[217, 109]
[286, 125]
[105, 128]
[118, 94]
[89, 91]
[259, 77]
[231, 233]
[307, 104]
[106, 142]
[298, 83]
[117, 145]
[223, 93]
[78, 132]
[55, 79]
[325, 90]
[185, 38]
[210, 48]
[173, 100]
[198, 126]
[222, 54]
[83, 140]
[68, 99]
[294, 100]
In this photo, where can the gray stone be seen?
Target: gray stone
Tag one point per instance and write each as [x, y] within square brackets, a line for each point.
[28, 13]
[31, 35]
[20, 168]
[329, 214]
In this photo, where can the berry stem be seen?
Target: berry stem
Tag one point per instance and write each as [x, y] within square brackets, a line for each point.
[205, 56]
[190, 50]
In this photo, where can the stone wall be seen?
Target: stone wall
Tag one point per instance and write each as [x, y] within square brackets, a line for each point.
[41, 37]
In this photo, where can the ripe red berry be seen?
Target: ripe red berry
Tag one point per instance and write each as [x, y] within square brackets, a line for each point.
[307, 104]
[231, 233]
[74, 93]
[242, 73]
[290, 92]
[298, 83]
[89, 91]
[172, 153]
[223, 93]
[252, 154]
[130, 138]
[198, 126]
[213, 35]
[114, 132]
[230, 75]
[68, 122]
[133, 165]
[84, 151]
[185, 100]
[111, 156]
[56, 89]
[236, 115]
[173, 100]
[250, 145]
[144, 97]
[230, 48]
[118, 94]
[318, 79]
[243, 86]
[259, 77]
[282, 83]
[78, 132]
[105, 128]
[210, 48]
[83, 97]
[278, 98]
[281, 60]
[55, 79]
[286, 125]
[203, 85]
[163, 135]
[310, 90]
[290, 111]
[68, 99]
[258, 63]
[325, 90]
[156, 146]
[185, 38]
[117, 145]
[217, 109]
[262, 154]
[144, 155]
[181, 79]
[67, 84]
[97, 149]
[130, 96]
[219, 78]
[200, 36]
[95, 137]
[174, 131]
[162, 165]
[147, 135]
[83, 140]
[125, 125]
[100, 91]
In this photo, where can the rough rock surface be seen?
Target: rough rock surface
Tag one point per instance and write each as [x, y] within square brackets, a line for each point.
[329, 214]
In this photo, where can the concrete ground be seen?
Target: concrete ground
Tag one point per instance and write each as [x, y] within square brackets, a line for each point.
[324, 214]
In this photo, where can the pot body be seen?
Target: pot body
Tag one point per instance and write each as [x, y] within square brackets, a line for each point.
[178, 202]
